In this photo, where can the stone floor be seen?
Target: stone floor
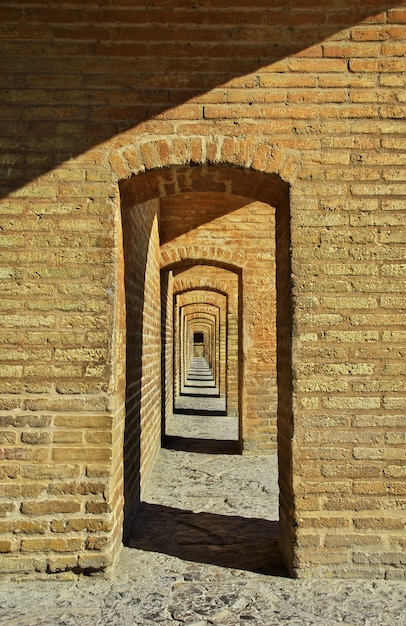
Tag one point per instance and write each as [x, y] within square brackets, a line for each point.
[202, 553]
[200, 395]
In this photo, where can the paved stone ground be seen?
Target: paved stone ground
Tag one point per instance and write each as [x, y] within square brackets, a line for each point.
[204, 553]
[199, 395]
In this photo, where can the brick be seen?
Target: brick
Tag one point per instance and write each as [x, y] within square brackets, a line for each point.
[97, 507]
[379, 453]
[78, 488]
[67, 437]
[61, 563]
[377, 386]
[395, 471]
[394, 369]
[80, 525]
[23, 526]
[26, 321]
[21, 420]
[22, 490]
[357, 403]
[321, 557]
[47, 507]
[350, 303]
[51, 545]
[30, 454]
[11, 564]
[350, 470]
[394, 402]
[100, 437]
[97, 543]
[398, 336]
[80, 454]
[384, 523]
[82, 421]
[34, 438]
[6, 508]
[97, 471]
[94, 562]
[393, 302]
[67, 403]
[351, 336]
[5, 545]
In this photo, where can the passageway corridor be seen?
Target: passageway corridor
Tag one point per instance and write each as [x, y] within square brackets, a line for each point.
[200, 377]
[210, 508]
[200, 394]
[205, 502]
[201, 293]
[196, 425]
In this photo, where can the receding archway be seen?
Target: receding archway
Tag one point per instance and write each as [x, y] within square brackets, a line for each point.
[206, 300]
[250, 202]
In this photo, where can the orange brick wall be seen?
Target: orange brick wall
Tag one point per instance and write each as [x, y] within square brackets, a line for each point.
[167, 363]
[307, 93]
[142, 433]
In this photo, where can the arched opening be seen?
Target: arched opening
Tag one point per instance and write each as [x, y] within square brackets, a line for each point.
[198, 337]
[206, 371]
[187, 224]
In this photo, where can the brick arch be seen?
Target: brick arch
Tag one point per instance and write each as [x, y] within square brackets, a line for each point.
[232, 181]
[183, 285]
[187, 285]
[188, 256]
[151, 153]
[168, 168]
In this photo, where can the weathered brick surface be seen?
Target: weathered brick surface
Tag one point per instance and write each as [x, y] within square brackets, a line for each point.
[302, 105]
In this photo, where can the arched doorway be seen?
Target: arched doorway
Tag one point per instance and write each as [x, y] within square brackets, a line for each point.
[220, 216]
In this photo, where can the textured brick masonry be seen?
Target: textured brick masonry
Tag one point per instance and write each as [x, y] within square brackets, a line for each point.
[253, 148]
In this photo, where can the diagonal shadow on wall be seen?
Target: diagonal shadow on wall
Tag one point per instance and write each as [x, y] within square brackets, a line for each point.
[75, 77]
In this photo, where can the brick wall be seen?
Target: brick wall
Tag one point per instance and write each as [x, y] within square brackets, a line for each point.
[167, 362]
[143, 349]
[307, 99]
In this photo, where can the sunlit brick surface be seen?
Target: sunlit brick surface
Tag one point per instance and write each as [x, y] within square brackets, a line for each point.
[108, 115]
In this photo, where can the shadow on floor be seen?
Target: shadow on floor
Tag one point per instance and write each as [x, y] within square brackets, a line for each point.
[203, 446]
[188, 410]
[228, 541]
